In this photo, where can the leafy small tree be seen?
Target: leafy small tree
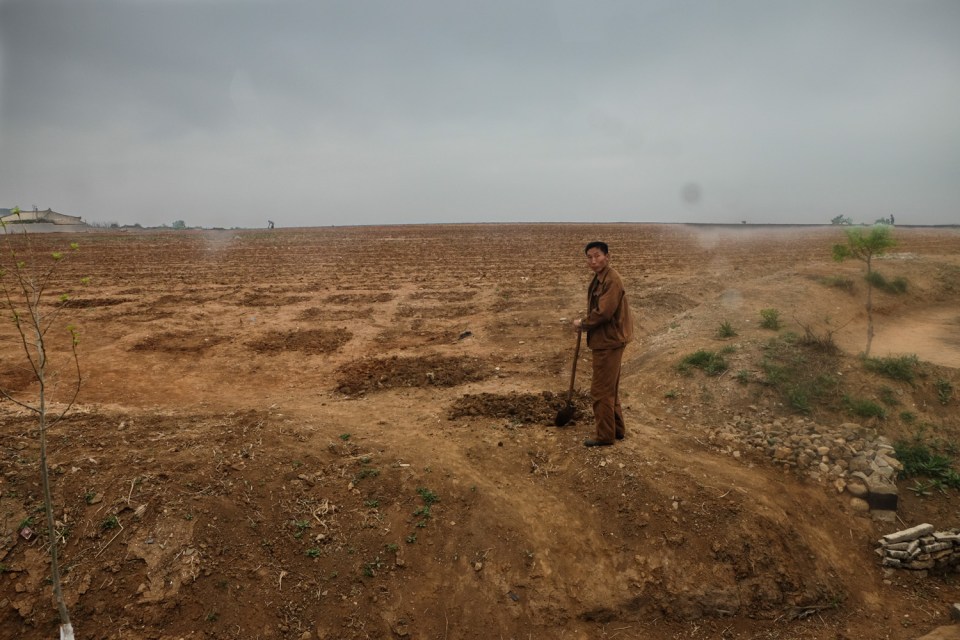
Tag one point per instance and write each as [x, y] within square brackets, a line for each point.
[179, 224]
[24, 288]
[865, 245]
[842, 220]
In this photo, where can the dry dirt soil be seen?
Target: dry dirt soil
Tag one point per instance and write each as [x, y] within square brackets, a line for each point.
[346, 433]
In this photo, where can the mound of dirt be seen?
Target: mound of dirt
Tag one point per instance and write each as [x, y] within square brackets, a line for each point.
[374, 374]
[89, 303]
[313, 314]
[16, 378]
[446, 312]
[179, 342]
[529, 408]
[444, 296]
[318, 314]
[264, 299]
[311, 342]
[363, 298]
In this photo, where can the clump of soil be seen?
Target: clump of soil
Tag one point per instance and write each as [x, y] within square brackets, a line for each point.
[401, 338]
[179, 342]
[444, 296]
[535, 408]
[16, 378]
[354, 298]
[373, 374]
[263, 299]
[311, 342]
[456, 311]
[317, 313]
[89, 303]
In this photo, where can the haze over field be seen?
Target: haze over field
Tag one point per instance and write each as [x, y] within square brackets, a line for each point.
[314, 113]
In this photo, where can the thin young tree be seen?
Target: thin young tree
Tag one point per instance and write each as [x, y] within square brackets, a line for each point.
[865, 245]
[25, 284]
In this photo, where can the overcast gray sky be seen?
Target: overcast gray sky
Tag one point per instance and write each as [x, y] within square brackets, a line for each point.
[314, 112]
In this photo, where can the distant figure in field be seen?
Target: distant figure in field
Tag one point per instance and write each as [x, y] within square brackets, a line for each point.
[269, 224]
[609, 327]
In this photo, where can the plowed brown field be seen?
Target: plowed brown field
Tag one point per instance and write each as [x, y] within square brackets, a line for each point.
[345, 433]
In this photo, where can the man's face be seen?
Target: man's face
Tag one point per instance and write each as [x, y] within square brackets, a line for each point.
[596, 259]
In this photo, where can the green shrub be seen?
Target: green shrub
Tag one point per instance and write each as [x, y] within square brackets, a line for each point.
[894, 367]
[712, 363]
[896, 286]
[770, 319]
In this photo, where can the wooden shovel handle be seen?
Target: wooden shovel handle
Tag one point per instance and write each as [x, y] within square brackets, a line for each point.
[573, 371]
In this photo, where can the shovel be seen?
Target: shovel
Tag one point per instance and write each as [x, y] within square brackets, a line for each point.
[566, 413]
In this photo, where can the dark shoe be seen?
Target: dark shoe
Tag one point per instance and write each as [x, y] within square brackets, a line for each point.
[596, 443]
[621, 436]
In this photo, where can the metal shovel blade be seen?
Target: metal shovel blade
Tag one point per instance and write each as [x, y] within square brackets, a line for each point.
[564, 415]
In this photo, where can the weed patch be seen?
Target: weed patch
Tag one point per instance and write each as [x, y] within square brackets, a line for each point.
[770, 319]
[864, 408]
[944, 390]
[921, 458]
[726, 330]
[894, 367]
[838, 282]
[711, 362]
[366, 472]
[896, 286]
[888, 396]
[801, 374]
[819, 341]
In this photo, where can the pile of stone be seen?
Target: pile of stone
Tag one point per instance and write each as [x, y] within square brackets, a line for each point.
[920, 548]
[854, 458]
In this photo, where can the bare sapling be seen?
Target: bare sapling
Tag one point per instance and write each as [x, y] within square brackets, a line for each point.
[26, 280]
[865, 246]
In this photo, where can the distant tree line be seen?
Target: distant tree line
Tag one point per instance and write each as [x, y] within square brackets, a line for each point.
[845, 221]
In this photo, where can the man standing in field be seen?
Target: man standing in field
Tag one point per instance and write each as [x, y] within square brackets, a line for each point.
[609, 327]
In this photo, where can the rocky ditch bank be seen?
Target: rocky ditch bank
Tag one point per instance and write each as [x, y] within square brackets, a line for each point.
[853, 458]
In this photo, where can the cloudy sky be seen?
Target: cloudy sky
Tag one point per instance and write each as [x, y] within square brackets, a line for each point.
[316, 112]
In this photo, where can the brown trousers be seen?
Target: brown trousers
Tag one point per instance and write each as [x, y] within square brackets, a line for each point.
[605, 391]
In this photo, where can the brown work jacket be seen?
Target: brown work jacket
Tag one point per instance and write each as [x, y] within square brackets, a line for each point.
[609, 323]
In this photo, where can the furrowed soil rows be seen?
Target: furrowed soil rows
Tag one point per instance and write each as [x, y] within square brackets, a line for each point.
[343, 433]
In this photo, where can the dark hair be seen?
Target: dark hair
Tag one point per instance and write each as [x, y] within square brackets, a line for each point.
[598, 245]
